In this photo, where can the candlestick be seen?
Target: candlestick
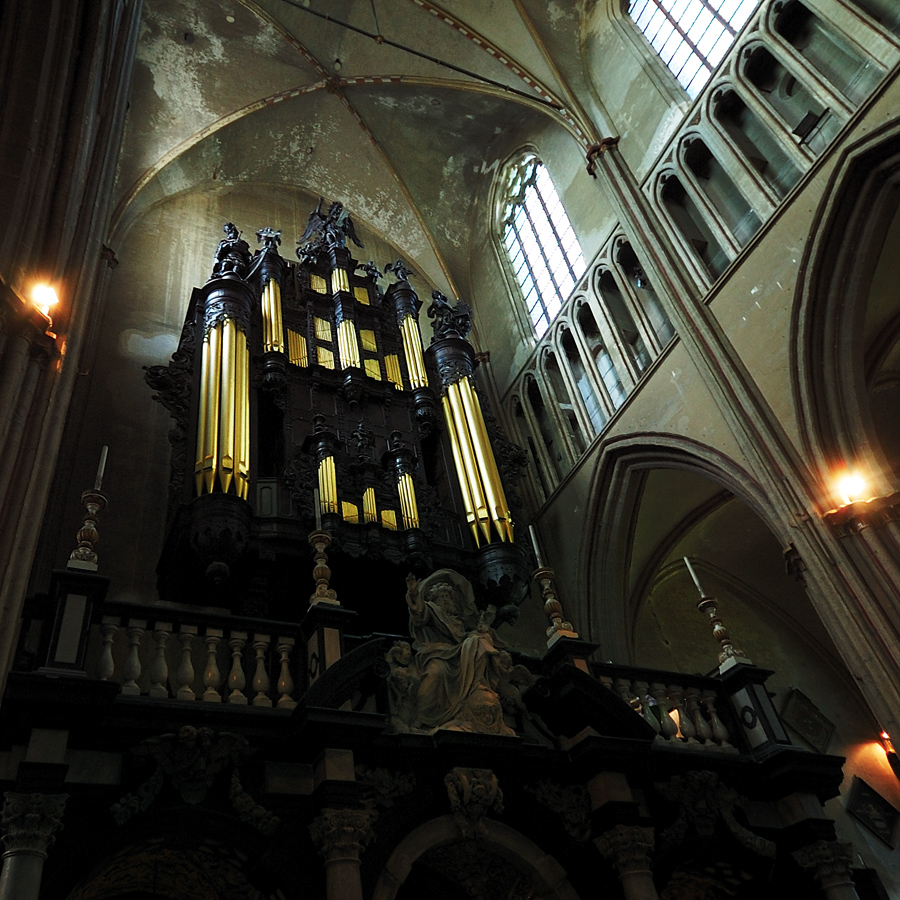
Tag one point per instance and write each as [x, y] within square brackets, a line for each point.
[98, 481]
[318, 509]
[537, 549]
[690, 569]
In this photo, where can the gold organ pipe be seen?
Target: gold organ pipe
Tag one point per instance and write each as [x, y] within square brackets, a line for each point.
[465, 443]
[412, 347]
[487, 466]
[408, 506]
[202, 415]
[226, 404]
[328, 485]
[468, 502]
[348, 345]
[211, 426]
[243, 395]
[273, 329]
[370, 508]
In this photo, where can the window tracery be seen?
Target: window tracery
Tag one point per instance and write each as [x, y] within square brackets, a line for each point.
[691, 36]
[539, 241]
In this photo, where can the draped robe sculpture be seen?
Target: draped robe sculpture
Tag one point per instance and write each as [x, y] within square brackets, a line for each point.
[460, 672]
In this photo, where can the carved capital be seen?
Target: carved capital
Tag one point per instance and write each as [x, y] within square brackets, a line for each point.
[826, 861]
[473, 793]
[627, 847]
[342, 834]
[29, 821]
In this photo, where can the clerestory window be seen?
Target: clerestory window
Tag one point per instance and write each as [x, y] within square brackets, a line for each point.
[541, 246]
[691, 36]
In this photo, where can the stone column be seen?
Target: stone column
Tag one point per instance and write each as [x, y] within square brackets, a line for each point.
[628, 848]
[28, 822]
[341, 835]
[829, 863]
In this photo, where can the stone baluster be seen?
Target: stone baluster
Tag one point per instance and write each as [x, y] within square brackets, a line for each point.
[622, 688]
[642, 690]
[285, 681]
[628, 849]
[159, 668]
[667, 727]
[211, 676]
[237, 681]
[341, 836]
[695, 714]
[261, 676]
[106, 668]
[685, 726]
[28, 822]
[131, 668]
[185, 674]
[829, 863]
[719, 731]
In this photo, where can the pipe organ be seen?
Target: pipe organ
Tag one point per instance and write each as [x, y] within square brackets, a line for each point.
[307, 395]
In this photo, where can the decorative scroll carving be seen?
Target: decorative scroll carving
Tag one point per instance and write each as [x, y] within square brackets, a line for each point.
[269, 238]
[704, 800]
[29, 821]
[570, 802]
[193, 757]
[343, 833]
[449, 321]
[232, 255]
[461, 678]
[381, 786]
[627, 847]
[140, 800]
[826, 860]
[249, 810]
[473, 793]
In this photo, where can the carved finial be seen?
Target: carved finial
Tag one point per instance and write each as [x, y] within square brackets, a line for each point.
[710, 606]
[84, 556]
[320, 541]
[558, 626]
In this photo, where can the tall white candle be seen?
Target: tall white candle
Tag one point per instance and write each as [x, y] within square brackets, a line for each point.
[690, 569]
[537, 549]
[98, 481]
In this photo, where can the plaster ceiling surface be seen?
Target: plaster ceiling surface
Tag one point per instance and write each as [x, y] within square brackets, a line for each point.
[287, 92]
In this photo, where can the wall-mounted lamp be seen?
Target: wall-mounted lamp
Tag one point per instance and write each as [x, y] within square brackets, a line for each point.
[43, 297]
[852, 487]
[890, 753]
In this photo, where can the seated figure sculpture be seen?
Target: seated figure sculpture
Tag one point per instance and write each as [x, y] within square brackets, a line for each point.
[461, 668]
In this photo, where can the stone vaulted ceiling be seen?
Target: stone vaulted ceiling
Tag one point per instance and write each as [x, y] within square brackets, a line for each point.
[240, 92]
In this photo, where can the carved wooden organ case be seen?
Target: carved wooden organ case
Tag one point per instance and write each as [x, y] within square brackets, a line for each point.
[299, 385]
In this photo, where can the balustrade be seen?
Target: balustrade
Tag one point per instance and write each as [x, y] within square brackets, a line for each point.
[190, 656]
[683, 715]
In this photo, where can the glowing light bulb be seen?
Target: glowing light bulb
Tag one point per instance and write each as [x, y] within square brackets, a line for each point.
[851, 487]
[43, 296]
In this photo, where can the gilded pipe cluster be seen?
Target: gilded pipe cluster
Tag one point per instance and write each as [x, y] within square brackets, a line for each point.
[328, 498]
[348, 345]
[412, 348]
[487, 510]
[273, 330]
[223, 435]
[408, 506]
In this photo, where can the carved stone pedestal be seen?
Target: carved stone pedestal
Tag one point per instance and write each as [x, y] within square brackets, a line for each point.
[28, 822]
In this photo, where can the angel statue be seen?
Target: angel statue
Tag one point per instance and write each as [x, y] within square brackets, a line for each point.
[332, 230]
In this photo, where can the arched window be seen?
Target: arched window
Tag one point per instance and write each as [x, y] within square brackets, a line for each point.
[691, 36]
[540, 243]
